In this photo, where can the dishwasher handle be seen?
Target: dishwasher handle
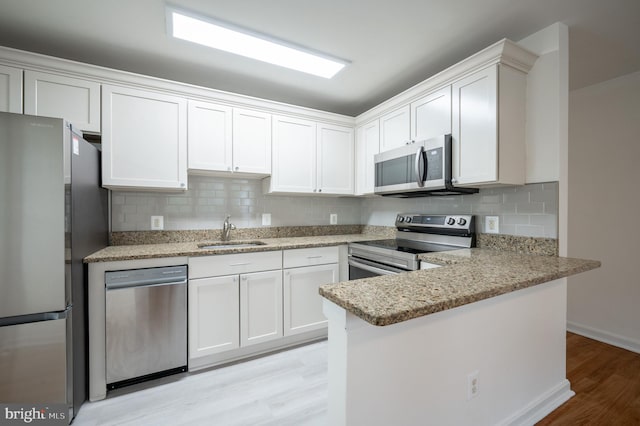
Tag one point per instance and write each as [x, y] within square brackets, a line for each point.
[167, 275]
[148, 283]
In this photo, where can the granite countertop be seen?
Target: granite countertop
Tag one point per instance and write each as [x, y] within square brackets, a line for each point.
[150, 251]
[466, 276]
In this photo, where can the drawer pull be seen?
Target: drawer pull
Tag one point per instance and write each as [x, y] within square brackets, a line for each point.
[314, 257]
[240, 264]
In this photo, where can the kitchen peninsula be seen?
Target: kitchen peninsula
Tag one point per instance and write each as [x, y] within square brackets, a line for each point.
[480, 341]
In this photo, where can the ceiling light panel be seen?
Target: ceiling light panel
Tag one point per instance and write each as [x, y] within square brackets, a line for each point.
[216, 35]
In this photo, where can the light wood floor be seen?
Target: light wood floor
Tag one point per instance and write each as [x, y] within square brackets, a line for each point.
[606, 380]
[287, 388]
[290, 388]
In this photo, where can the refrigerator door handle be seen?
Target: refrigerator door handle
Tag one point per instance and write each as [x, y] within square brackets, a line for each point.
[24, 319]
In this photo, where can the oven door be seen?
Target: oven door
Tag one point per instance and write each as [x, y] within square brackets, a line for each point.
[362, 268]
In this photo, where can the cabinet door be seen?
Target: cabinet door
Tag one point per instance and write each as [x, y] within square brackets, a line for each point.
[260, 307]
[395, 128]
[367, 146]
[431, 115]
[75, 100]
[214, 315]
[335, 159]
[474, 132]
[10, 89]
[294, 155]
[251, 142]
[302, 303]
[144, 139]
[210, 142]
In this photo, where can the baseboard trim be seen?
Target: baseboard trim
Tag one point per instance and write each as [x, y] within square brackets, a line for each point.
[541, 406]
[604, 336]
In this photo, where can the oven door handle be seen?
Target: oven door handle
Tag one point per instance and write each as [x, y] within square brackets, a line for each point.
[370, 268]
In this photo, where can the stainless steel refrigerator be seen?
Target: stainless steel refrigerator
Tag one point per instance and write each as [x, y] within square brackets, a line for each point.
[53, 213]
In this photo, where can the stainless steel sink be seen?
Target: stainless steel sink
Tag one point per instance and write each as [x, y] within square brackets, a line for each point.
[230, 244]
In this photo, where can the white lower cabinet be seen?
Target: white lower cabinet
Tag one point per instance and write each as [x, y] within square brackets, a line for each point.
[214, 315]
[235, 301]
[260, 307]
[302, 302]
[305, 271]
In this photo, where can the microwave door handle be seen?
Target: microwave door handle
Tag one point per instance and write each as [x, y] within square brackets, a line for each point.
[419, 176]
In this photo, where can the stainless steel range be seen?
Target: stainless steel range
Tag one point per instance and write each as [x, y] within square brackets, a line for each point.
[415, 234]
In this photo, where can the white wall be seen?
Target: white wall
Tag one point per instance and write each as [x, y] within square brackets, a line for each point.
[604, 201]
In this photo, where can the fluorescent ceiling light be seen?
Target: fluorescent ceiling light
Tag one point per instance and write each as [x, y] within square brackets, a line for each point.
[212, 34]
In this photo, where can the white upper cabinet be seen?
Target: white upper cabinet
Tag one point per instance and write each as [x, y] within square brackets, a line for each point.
[489, 127]
[367, 146]
[224, 140]
[10, 89]
[74, 99]
[294, 156]
[310, 157]
[144, 139]
[210, 137]
[251, 142]
[335, 152]
[431, 115]
[395, 128]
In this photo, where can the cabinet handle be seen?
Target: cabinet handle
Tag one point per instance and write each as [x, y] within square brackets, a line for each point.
[237, 168]
[314, 190]
[314, 257]
[240, 264]
[319, 190]
[244, 278]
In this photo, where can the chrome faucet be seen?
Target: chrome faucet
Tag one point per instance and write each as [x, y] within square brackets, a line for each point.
[227, 227]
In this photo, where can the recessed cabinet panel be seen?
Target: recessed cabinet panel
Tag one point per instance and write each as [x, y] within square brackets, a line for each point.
[335, 159]
[395, 128]
[294, 155]
[260, 307]
[210, 137]
[431, 115]
[367, 146]
[10, 89]
[302, 303]
[251, 141]
[144, 139]
[75, 100]
[214, 315]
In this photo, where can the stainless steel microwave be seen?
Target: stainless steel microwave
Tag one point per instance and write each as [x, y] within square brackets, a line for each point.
[418, 169]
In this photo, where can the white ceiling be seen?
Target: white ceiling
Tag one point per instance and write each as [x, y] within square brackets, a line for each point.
[391, 44]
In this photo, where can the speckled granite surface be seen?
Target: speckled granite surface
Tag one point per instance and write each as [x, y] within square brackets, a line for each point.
[467, 276]
[162, 237]
[149, 251]
[542, 246]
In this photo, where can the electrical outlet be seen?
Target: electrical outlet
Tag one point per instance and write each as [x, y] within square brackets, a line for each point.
[157, 223]
[333, 219]
[473, 385]
[492, 224]
[266, 219]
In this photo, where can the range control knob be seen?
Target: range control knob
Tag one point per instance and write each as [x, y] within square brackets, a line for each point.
[462, 221]
[451, 221]
[407, 219]
[400, 219]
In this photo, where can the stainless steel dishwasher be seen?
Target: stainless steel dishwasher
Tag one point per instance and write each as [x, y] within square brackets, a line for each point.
[146, 324]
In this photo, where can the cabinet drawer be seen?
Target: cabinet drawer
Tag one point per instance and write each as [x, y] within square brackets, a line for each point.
[310, 256]
[229, 264]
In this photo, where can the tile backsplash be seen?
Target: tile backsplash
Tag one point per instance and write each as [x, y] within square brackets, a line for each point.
[530, 210]
[210, 199]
